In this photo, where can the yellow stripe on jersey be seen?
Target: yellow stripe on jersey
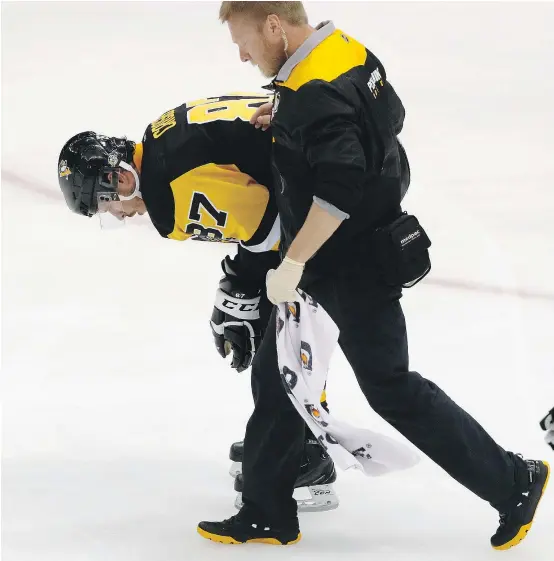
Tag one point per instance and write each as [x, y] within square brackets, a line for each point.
[217, 203]
[333, 57]
[224, 108]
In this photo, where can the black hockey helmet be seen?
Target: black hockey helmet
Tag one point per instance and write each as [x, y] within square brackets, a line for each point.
[88, 167]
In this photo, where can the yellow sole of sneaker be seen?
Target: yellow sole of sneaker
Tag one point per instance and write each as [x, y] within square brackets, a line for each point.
[520, 536]
[230, 540]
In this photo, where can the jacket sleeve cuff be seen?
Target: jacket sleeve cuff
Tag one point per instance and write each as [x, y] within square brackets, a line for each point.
[331, 209]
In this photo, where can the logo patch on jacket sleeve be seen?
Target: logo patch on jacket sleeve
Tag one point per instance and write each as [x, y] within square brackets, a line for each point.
[375, 83]
[275, 105]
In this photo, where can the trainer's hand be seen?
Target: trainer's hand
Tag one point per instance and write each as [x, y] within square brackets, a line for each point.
[262, 116]
[282, 282]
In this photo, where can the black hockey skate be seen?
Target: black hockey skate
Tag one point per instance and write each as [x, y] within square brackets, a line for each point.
[246, 528]
[516, 521]
[317, 473]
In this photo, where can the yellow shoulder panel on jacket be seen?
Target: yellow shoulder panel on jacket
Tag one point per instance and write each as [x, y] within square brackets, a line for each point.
[333, 57]
[217, 203]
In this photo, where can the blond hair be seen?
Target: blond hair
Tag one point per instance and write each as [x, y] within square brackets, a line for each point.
[291, 12]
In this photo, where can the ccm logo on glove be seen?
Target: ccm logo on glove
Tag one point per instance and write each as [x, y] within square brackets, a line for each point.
[240, 306]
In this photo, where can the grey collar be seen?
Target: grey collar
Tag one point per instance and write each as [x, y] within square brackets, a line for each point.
[323, 30]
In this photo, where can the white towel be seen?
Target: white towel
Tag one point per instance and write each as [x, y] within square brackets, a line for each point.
[306, 339]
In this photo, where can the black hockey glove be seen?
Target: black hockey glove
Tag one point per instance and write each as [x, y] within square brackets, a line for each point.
[547, 424]
[236, 322]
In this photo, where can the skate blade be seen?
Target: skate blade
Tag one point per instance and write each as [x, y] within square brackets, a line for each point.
[235, 469]
[317, 498]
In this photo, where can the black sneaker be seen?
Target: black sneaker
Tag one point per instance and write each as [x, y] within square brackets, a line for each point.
[243, 529]
[516, 521]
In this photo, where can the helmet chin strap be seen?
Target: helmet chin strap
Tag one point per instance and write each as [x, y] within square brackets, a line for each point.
[136, 192]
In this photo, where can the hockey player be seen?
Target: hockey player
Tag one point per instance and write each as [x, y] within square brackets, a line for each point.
[202, 172]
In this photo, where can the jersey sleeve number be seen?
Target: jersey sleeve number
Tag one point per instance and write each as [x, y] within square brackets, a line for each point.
[196, 228]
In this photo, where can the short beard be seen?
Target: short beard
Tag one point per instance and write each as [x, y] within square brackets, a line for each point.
[273, 61]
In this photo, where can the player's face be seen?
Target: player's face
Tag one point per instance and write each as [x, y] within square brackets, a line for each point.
[126, 182]
[258, 45]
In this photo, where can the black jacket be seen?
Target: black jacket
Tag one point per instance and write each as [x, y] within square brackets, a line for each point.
[335, 126]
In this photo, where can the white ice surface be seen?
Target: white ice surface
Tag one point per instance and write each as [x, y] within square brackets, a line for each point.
[118, 413]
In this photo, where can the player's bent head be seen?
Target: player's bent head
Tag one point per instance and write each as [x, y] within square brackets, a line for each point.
[96, 175]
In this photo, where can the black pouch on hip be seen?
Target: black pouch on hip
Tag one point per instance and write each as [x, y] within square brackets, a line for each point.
[401, 250]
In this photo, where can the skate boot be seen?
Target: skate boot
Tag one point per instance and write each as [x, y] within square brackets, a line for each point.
[313, 489]
[235, 455]
[247, 528]
[517, 519]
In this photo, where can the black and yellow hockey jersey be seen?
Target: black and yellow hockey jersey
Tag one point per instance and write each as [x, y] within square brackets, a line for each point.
[206, 175]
